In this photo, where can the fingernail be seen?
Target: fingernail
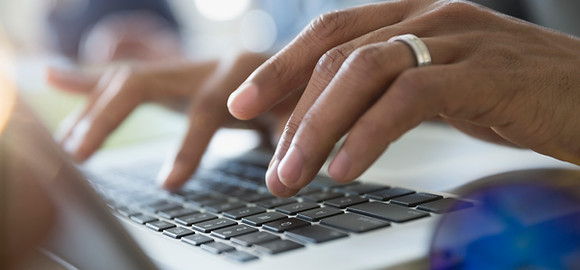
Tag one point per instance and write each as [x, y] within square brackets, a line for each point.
[290, 168]
[174, 178]
[242, 98]
[73, 144]
[340, 166]
[273, 182]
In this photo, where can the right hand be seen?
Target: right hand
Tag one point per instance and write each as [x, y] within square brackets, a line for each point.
[201, 87]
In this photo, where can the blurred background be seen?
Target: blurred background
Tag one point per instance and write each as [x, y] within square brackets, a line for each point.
[79, 34]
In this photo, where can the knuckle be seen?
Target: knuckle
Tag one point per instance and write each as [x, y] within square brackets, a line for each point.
[366, 59]
[278, 67]
[458, 8]
[329, 24]
[329, 64]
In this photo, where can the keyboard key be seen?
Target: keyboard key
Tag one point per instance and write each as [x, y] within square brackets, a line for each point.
[196, 239]
[327, 182]
[254, 238]
[315, 234]
[413, 200]
[142, 219]
[217, 247]
[161, 206]
[354, 223]
[194, 218]
[177, 232]
[323, 196]
[387, 211]
[277, 246]
[259, 219]
[220, 207]
[215, 224]
[307, 190]
[292, 209]
[273, 203]
[345, 202]
[233, 231]
[256, 197]
[318, 214]
[285, 224]
[387, 194]
[445, 205]
[179, 212]
[240, 256]
[159, 225]
[127, 212]
[361, 188]
[244, 212]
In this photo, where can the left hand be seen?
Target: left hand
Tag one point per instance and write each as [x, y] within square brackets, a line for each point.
[493, 77]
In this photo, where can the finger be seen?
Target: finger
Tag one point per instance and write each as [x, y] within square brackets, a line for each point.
[69, 124]
[291, 68]
[206, 117]
[417, 94]
[111, 107]
[361, 80]
[71, 80]
[478, 131]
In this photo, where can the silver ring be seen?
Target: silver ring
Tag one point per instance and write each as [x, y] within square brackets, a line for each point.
[418, 46]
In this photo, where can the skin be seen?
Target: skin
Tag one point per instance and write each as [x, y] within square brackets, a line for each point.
[199, 89]
[493, 77]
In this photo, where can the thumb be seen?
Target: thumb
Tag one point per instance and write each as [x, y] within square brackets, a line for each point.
[72, 81]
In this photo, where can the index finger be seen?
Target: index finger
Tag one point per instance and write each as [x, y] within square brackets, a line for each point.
[291, 68]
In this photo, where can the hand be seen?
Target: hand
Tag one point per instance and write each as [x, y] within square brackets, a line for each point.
[494, 77]
[203, 87]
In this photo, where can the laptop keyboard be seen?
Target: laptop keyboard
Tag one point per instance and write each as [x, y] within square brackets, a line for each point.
[229, 212]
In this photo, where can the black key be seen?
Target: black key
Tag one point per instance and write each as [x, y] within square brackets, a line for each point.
[143, 219]
[217, 247]
[240, 256]
[254, 238]
[277, 246]
[307, 190]
[354, 223]
[315, 234]
[345, 202]
[327, 182]
[127, 212]
[196, 239]
[194, 218]
[318, 214]
[323, 196]
[179, 212]
[206, 199]
[233, 231]
[285, 224]
[361, 189]
[387, 211]
[259, 219]
[177, 232]
[244, 212]
[161, 206]
[273, 203]
[215, 224]
[256, 197]
[413, 200]
[159, 225]
[220, 207]
[292, 209]
[445, 205]
[387, 194]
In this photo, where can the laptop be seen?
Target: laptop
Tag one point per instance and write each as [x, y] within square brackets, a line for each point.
[112, 215]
